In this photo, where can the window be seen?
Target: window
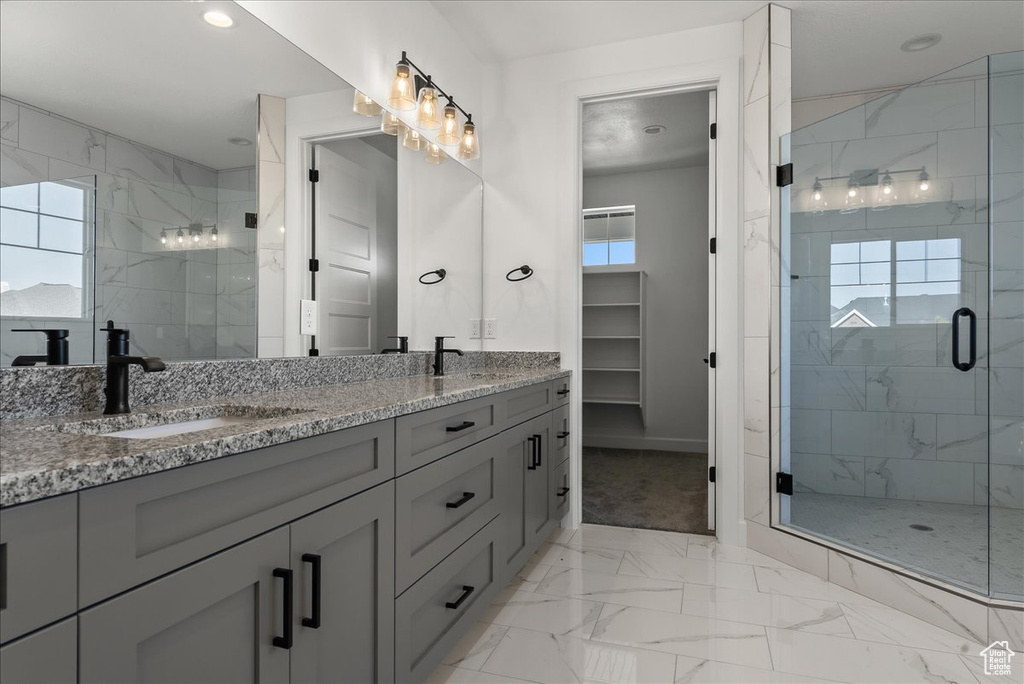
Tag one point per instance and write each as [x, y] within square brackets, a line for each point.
[880, 283]
[43, 239]
[609, 236]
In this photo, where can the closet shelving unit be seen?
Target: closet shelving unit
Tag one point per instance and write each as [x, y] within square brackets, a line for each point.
[613, 338]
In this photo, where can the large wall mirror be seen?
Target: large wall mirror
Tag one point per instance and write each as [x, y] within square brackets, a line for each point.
[131, 157]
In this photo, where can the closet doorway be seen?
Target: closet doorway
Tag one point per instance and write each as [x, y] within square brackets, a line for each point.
[648, 311]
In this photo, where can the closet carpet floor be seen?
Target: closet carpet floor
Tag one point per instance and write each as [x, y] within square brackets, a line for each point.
[653, 490]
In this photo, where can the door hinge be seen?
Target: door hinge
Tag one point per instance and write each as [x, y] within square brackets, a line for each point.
[714, 131]
[713, 245]
[314, 352]
[784, 483]
[784, 175]
[711, 474]
[314, 176]
[250, 220]
[314, 265]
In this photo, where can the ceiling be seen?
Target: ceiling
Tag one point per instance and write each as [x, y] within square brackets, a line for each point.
[614, 140]
[839, 46]
[153, 72]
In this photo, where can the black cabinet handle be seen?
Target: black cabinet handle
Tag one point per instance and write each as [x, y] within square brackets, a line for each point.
[459, 428]
[957, 363]
[539, 450]
[533, 452]
[466, 591]
[466, 496]
[563, 491]
[563, 435]
[285, 641]
[562, 392]
[314, 560]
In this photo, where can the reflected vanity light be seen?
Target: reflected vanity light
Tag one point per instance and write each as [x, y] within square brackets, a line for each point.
[874, 188]
[390, 124]
[412, 140]
[435, 155]
[364, 106]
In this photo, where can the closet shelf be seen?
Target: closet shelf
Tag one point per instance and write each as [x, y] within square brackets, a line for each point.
[611, 337]
[612, 370]
[612, 304]
[621, 401]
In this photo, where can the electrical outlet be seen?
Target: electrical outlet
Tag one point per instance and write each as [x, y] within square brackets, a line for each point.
[474, 328]
[308, 317]
[490, 328]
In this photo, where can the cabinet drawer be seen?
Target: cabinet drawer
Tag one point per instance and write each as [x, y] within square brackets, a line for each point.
[423, 437]
[436, 612]
[135, 530]
[38, 564]
[562, 388]
[558, 483]
[442, 505]
[50, 656]
[560, 434]
[528, 402]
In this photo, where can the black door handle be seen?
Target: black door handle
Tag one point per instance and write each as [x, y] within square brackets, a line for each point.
[466, 591]
[459, 428]
[563, 491]
[314, 560]
[466, 496]
[562, 392]
[973, 319]
[285, 641]
[533, 452]
[563, 435]
[539, 449]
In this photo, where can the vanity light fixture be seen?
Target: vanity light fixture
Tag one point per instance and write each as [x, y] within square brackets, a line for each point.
[218, 19]
[859, 183]
[163, 237]
[403, 94]
[922, 181]
[390, 124]
[426, 115]
[435, 155]
[412, 140]
[180, 237]
[469, 148]
[449, 134]
[214, 234]
[364, 106]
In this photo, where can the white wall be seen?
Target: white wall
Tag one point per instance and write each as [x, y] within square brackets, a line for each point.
[672, 228]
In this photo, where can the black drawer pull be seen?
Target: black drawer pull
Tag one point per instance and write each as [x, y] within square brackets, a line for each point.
[562, 393]
[563, 491]
[563, 435]
[314, 560]
[539, 450]
[466, 591]
[459, 428]
[285, 641]
[533, 452]
[466, 496]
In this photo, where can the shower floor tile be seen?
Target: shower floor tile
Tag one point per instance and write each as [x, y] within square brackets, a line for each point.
[956, 549]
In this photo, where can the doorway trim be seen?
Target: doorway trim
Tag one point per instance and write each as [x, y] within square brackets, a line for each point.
[724, 77]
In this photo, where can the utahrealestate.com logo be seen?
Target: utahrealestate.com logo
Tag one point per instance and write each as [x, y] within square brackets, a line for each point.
[997, 658]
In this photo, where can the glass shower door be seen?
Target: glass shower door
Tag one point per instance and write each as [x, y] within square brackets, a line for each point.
[885, 328]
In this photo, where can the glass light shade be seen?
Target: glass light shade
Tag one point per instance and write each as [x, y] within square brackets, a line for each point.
[214, 234]
[390, 124]
[364, 106]
[427, 116]
[412, 140]
[450, 133]
[469, 148]
[402, 96]
[887, 195]
[180, 237]
[818, 202]
[435, 155]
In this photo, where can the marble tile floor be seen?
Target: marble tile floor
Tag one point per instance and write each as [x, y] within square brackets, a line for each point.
[607, 604]
[957, 549]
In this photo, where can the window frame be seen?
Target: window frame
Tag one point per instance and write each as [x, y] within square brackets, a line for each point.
[612, 268]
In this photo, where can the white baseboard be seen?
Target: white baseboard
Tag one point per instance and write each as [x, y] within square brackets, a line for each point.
[697, 446]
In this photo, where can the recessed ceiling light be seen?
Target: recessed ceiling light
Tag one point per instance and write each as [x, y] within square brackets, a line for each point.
[240, 141]
[654, 130]
[918, 43]
[218, 19]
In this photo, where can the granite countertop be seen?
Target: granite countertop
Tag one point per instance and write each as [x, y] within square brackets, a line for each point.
[39, 458]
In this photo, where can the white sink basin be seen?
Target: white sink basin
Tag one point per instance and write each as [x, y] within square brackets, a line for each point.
[172, 429]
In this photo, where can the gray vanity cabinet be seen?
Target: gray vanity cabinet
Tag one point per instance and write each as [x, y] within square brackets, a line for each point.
[214, 621]
[49, 656]
[344, 633]
[524, 495]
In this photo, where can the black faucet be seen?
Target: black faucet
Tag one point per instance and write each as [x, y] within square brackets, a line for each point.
[118, 361]
[403, 345]
[56, 349]
[439, 352]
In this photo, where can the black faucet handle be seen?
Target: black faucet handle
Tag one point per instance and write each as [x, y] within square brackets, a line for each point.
[51, 333]
[110, 328]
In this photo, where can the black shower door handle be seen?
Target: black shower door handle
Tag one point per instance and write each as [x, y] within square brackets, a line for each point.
[973, 319]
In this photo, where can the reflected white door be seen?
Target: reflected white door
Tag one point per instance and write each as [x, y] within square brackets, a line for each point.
[712, 221]
[346, 246]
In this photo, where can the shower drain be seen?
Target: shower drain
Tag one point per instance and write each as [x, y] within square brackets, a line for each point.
[922, 528]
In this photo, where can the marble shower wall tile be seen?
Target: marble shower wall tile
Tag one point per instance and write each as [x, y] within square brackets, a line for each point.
[8, 121]
[756, 181]
[828, 474]
[61, 139]
[270, 231]
[921, 390]
[755, 396]
[913, 110]
[828, 387]
[909, 480]
[18, 167]
[757, 255]
[136, 162]
[874, 433]
[755, 56]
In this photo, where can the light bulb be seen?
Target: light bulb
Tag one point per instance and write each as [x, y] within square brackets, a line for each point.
[427, 115]
[852, 192]
[163, 237]
[817, 194]
[923, 181]
[364, 106]
[924, 185]
[413, 140]
[213, 234]
[282, 229]
[181, 236]
[449, 134]
[469, 148]
[817, 190]
[390, 124]
[402, 97]
[435, 155]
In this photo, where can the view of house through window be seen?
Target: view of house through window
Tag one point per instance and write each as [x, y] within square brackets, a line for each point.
[609, 236]
[880, 283]
[43, 238]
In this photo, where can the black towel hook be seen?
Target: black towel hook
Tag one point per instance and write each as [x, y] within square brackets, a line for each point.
[440, 273]
[524, 269]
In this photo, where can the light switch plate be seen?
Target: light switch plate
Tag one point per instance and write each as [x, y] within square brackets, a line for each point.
[474, 328]
[308, 315]
[490, 328]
